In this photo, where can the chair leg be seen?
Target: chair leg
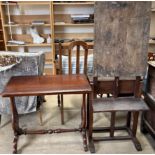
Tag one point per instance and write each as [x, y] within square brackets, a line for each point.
[59, 102]
[62, 110]
[134, 131]
[90, 125]
[112, 128]
[40, 116]
[128, 119]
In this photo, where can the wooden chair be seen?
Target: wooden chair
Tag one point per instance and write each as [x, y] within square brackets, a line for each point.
[73, 47]
[130, 104]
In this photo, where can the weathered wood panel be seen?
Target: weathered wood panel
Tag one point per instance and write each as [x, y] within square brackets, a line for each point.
[121, 38]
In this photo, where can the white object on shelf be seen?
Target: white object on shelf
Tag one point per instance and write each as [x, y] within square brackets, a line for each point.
[35, 35]
[16, 42]
[48, 40]
[59, 23]
[36, 22]
[80, 16]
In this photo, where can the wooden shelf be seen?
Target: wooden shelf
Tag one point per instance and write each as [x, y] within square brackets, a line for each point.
[24, 25]
[74, 3]
[27, 3]
[71, 24]
[48, 62]
[29, 45]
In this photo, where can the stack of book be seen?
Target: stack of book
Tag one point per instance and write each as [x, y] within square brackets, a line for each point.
[38, 22]
[85, 18]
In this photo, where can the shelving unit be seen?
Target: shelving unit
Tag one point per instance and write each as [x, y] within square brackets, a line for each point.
[65, 28]
[29, 11]
[58, 23]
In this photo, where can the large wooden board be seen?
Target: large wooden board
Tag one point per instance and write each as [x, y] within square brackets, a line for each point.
[121, 38]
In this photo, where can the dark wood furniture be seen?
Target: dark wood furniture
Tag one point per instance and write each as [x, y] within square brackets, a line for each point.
[130, 104]
[151, 56]
[76, 49]
[47, 85]
[148, 117]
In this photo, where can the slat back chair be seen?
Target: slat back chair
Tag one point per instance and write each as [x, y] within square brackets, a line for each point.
[131, 104]
[73, 49]
[76, 45]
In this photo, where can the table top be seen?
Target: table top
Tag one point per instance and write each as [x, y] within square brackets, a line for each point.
[46, 85]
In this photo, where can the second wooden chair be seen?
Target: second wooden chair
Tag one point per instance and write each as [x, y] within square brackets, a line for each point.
[77, 56]
[131, 104]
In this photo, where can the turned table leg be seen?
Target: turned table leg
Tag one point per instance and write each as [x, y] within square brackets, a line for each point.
[83, 122]
[15, 124]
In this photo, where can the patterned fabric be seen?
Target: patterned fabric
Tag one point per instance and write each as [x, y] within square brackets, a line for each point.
[8, 61]
[30, 64]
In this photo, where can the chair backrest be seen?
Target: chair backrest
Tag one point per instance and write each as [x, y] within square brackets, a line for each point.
[118, 87]
[129, 87]
[103, 86]
[74, 47]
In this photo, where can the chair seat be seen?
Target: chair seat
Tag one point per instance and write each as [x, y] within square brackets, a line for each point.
[119, 104]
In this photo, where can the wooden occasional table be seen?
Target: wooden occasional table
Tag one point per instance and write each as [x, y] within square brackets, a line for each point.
[47, 85]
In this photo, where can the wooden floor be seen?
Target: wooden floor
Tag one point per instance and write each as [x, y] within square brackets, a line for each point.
[65, 142]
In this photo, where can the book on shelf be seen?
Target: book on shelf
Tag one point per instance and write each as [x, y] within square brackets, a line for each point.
[38, 22]
[83, 18]
[16, 42]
